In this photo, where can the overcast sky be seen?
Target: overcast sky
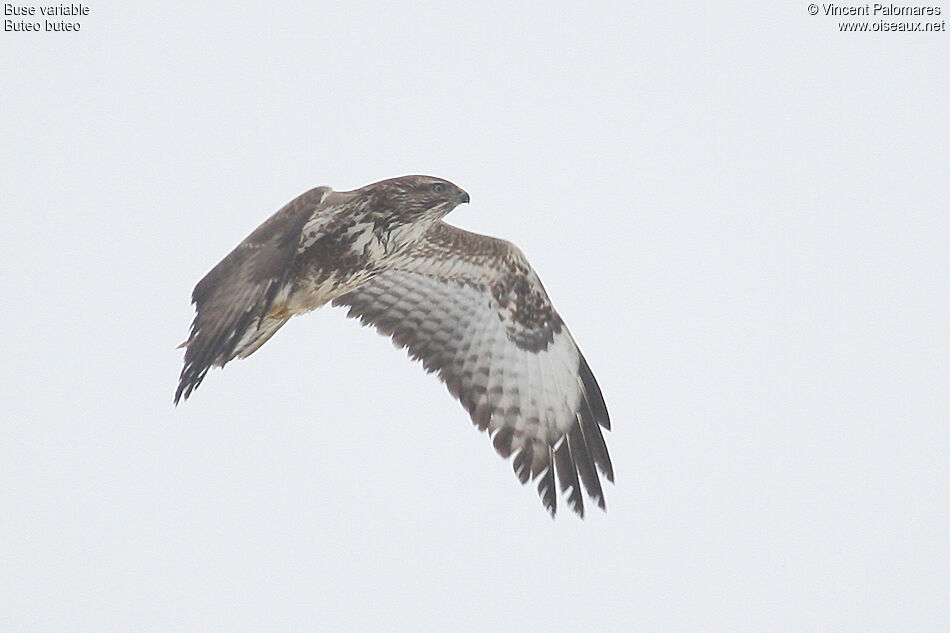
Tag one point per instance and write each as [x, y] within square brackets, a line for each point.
[740, 211]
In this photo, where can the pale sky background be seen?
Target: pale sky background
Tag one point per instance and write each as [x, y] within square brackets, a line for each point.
[740, 212]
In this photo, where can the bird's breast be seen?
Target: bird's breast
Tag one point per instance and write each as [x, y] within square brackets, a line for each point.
[339, 261]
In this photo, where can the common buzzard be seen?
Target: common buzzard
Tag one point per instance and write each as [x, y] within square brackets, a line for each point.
[469, 306]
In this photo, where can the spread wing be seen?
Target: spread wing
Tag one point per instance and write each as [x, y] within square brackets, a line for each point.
[233, 299]
[471, 308]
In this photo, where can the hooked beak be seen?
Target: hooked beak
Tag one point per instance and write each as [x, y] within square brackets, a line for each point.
[463, 197]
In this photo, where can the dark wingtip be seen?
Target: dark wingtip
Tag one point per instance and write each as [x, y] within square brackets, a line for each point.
[188, 381]
[546, 486]
[564, 462]
[583, 456]
[182, 392]
[594, 395]
[180, 389]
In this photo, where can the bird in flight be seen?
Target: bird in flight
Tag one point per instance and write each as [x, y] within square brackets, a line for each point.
[469, 306]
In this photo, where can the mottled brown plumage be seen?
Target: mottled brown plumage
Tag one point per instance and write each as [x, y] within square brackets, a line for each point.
[319, 246]
[470, 307]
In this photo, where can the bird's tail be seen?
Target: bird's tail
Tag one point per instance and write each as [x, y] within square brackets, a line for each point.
[197, 364]
[256, 337]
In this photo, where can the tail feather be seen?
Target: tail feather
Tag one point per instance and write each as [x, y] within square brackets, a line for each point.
[197, 365]
[254, 338]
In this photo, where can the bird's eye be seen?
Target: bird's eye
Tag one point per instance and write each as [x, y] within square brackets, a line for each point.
[438, 187]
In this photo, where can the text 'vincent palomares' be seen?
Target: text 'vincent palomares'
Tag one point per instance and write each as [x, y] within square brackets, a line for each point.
[876, 9]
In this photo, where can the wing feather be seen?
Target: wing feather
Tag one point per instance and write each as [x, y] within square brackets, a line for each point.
[232, 300]
[472, 309]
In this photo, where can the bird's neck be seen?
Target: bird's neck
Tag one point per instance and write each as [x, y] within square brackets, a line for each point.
[396, 240]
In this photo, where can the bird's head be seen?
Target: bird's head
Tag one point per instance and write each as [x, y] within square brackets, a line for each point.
[414, 199]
